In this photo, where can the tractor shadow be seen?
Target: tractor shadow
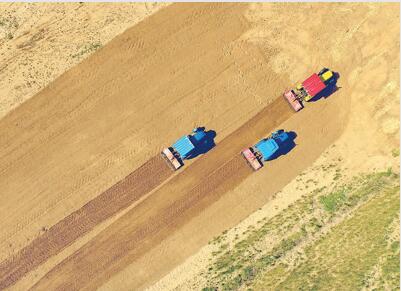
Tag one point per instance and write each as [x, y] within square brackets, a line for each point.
[329, 90]
[286, 147]
[206, 145]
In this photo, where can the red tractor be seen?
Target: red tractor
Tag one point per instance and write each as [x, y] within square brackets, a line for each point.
[309, 88]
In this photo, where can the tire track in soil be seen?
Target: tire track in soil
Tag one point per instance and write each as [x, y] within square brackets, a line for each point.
[166, 210]
[86, 103]
[90, 111]
[66, 231]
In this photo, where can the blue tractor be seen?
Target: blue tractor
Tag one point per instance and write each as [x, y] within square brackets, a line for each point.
[266, 149]
[185, 148]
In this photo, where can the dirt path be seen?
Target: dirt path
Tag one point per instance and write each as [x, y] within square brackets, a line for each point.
[189, 194]
[240, 194]
[363, 46]
[118, 197]
[40, 41]
[167, 209]
[123, 104]
[137, 184]
[102, 119]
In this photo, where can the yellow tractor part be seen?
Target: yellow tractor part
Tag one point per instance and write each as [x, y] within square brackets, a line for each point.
[307, 97]
[327, 75]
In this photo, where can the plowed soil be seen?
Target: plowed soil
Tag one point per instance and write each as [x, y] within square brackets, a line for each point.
[102, 119]
[40, 41]
[182, 198]
[217, 169]
[109, 115]
[165, 210]
[62, 234]
[186, 65]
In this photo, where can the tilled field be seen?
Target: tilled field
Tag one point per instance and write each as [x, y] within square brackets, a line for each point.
[214, 171]
[165, 210]
[109, 115]
[185, 196]
[62, 234]
[63, 152]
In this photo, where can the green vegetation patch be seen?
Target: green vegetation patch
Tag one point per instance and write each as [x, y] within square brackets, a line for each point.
[333, 201]
[88, 48]
[395, 152]
[343, 259]
[257, 262]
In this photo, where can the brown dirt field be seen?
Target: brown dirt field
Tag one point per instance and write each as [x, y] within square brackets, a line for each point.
[327, 118]
[66, 231]
[137, 184]
[151, 221]
[107, 116]
[85, 132]
[363, 46]
[40, 41]
[156, 218]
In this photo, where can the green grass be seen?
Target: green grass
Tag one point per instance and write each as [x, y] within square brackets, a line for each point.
[88, 49]
[343, 258]
[240, 263]
[333, 201]
[391, 267]
[395, 152]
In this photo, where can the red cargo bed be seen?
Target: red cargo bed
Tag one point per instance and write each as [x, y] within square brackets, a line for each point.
[313, 85]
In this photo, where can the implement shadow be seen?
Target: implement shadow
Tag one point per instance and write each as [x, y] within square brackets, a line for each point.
[286, 147]
[206, 145]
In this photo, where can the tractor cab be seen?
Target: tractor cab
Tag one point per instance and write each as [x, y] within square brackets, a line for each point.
[280, 136]
[266, 149]
[327, 76]
[198, 135]
[187, 147]
[269, 146]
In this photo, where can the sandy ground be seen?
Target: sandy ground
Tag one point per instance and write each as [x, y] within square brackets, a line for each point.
[66, 231]
[109, 149]
[85, 154]
[40, 41]
[372, 130]
[241, 59]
